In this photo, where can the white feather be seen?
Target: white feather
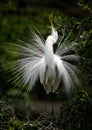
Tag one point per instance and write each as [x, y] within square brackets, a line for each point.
[39, 62]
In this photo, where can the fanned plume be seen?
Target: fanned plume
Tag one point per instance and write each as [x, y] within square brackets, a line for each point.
[26, 69]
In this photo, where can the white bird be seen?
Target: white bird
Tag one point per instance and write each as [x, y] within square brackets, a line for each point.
[39, 61]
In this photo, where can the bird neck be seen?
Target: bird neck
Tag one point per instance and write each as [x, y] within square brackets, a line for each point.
[51, 39]
[49, 53]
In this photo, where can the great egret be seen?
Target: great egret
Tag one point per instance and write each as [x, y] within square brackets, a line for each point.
[40, 62]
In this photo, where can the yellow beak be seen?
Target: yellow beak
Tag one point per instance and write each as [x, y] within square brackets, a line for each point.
[51, 22]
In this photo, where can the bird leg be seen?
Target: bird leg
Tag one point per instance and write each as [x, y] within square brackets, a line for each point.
[51, 101]
[52, 108]
[45, 103]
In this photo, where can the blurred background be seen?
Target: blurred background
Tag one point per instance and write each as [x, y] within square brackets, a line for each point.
[16, 17]
[16, 104]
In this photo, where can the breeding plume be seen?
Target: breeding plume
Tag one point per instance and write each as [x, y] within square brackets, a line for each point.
[39, 61]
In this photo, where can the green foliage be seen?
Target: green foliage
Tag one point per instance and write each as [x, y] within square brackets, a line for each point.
[80, 36]
[19, 96]
[11, 6]
[15, 124]
[86, 5]
[8, 119]
[75, 114]
[13, 27]
[85, 51]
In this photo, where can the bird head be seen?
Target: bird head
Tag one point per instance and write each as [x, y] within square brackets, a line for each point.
[54, 32]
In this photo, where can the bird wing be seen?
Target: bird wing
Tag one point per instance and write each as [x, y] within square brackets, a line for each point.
[26, 68]
[69, 72]
[62, 74]
[58, 72]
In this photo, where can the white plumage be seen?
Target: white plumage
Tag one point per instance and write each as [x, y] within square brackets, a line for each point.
[40, 62]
